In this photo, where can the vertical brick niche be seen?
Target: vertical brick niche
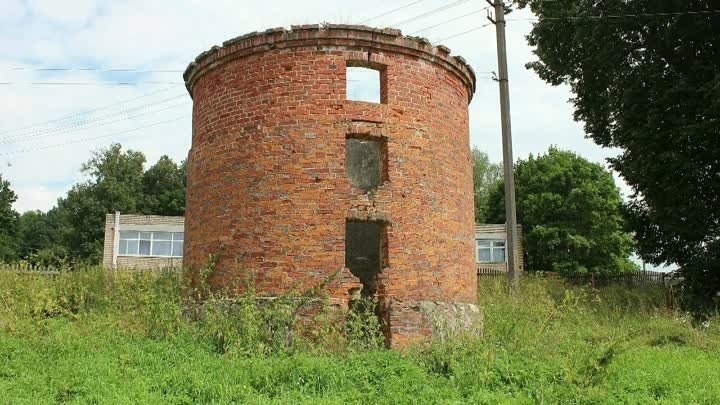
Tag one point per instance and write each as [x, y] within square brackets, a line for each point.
[292, 181]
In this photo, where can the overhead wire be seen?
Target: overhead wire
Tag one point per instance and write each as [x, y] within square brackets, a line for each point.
[431, 12]
[390, 11]
[72, 115]
[464, 32]
[86, 69]
[590, 17]
[98, 125]
[64, 127]
[618, 16]
[175, 119]
[450, 20]
[73, 132]
[89, 83]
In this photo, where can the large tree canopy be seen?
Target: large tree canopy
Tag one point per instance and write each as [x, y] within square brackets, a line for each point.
[647, 81]
[164, 188]
[115, 184]
[486, 175]
[570, 211]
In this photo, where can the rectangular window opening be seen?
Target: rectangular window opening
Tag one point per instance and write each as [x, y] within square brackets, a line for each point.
[366, 163]
[366, 82]
[153, 244]
[490, 251]
[366, 253]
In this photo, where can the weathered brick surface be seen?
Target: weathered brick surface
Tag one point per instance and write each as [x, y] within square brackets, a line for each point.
[267, 187]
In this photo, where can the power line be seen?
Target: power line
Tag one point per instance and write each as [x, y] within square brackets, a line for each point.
[175, 119]
[390, 12]
[431, 12]
[464, 32]
[596, 17]
[72, 115]
[94, 126]
[617, 16]
[40, 132]
[82, 69]
[87, 83]
[450, 20]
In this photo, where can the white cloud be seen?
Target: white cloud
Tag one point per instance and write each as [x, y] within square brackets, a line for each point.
[168, 34]
[69, 14]
[12, 10]
[37, 197]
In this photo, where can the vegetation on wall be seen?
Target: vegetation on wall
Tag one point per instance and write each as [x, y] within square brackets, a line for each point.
[648, 85]
[570, 211]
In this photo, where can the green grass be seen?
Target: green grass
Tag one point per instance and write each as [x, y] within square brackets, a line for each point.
[87, 338]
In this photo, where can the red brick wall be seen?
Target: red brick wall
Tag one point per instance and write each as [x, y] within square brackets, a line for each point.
[267, 188]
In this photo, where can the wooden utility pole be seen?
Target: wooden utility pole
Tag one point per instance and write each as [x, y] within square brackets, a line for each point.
[510, 216]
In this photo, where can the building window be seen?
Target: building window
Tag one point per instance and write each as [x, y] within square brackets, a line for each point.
[161, 244]
[365, 81]
[491, 251]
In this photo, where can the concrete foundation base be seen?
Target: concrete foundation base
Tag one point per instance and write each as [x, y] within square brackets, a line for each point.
[411, 322]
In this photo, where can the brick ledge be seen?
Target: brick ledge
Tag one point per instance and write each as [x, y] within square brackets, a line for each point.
[335, 35]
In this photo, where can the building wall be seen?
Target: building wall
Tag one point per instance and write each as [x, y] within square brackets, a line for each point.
[498, 231]
[267, 186]
[145, 223]
[109, 243]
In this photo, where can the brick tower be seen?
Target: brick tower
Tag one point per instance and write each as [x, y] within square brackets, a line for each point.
[289, 178]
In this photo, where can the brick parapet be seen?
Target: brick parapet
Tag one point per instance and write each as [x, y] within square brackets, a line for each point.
[328, 37]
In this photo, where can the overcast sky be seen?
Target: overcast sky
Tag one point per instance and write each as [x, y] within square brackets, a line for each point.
[42, 160]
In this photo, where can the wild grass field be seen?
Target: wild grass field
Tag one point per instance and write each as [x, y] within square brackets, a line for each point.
[86, 337]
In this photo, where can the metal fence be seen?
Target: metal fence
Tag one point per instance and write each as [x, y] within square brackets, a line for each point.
[25, 268]
[637, 279]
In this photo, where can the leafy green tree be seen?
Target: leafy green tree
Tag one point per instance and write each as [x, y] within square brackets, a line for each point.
[486, 175]
[40, 238]
[650, 86]
[116, 177]
[8, 222]
[570, 211]
[164, 188]
[115, 184]
[34, 233]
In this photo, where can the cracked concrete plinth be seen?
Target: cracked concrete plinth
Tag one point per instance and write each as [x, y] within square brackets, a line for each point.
[416, 321]
[448, 320]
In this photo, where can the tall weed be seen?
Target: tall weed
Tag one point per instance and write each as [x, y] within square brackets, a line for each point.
[166, 305]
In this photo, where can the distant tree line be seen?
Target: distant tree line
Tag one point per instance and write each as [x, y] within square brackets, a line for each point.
[73, 230]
